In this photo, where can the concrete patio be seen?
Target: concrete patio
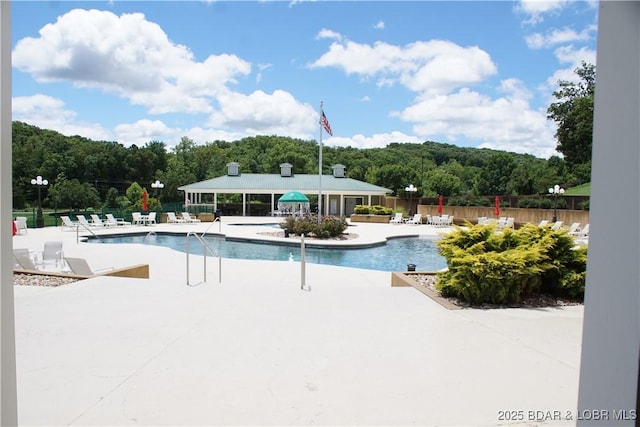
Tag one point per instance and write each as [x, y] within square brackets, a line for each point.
[255, 349]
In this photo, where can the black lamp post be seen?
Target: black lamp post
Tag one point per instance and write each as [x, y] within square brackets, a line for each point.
[158, 186]
[39, 182]
[410, 189]
[555, 191]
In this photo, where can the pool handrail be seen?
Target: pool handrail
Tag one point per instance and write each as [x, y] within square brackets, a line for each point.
[206, 248]
[211, 225]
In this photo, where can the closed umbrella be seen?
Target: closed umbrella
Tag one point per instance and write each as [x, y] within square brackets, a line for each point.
[496, 211]
[145, 206]
[440, 205]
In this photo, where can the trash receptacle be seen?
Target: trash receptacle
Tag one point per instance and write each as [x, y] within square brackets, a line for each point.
[286, 232]
[411, 267]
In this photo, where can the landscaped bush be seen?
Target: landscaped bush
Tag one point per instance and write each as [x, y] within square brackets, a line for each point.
[362, 209]
[372, 210]
[328, 227]
[503, 268]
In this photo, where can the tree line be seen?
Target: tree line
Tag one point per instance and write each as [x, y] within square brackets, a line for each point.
[86, 173]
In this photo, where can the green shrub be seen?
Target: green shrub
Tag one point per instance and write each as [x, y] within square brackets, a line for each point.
[328, 227]
[503, 268]
[372, 210]
[362, 209]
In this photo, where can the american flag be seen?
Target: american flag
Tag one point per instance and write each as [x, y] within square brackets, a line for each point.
[325, 124]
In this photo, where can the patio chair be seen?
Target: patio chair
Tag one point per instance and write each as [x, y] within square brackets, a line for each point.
[68, 224]
[397, 219]
[52, 253]
[187, 217]
[80, 267]
[151, 218]
[21, 224]
[543, 223]
[115, 222]
[173, 219]
[137, 218]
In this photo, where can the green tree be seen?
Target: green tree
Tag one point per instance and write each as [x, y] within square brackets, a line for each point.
[439, 181]
[73, 194]
[495, 174]
[573, 114]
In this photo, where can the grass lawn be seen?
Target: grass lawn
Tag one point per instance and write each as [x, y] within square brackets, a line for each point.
[580, 190]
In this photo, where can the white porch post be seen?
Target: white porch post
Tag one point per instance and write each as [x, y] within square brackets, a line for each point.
[273, 203]
[244, 204]
[8, 393]
[610, 360]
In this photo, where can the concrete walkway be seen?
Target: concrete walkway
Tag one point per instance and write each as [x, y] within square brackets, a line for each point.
[257, 350]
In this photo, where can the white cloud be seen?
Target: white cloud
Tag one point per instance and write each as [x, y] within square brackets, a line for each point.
[47, 112]
[261, 113]
[535, 9]
[379, 25]
[128, 56]
[375, 141]
[434, 66]
[328, 34]
[505, 123]
[556, 37]
[143, 131]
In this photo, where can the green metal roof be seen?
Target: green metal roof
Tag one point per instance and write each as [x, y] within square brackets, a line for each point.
[258, 183]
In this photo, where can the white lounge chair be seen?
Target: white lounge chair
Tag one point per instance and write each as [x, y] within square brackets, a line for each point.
[585, 231]
[543, 223]
[187, 217]
[80, 267]
[397, 219]
[68, 224]
[574, 229]
[172, 218]
[17, 252]
[22, 261]
[96, 221]
[556, 225]
[113, 221]
[82, 220]
[417, 219]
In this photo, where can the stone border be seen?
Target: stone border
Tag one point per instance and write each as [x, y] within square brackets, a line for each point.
[404, 279]
[139, 271]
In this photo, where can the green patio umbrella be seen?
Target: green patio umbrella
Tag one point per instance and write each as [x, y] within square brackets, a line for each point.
[293, 197]
[294, 203]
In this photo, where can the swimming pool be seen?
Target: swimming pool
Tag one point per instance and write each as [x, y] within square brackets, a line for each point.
[392, 256]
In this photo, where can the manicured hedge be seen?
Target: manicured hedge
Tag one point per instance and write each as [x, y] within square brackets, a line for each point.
[486, 266]
[329, 226]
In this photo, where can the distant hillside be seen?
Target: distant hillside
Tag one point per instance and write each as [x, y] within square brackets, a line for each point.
[580, 190]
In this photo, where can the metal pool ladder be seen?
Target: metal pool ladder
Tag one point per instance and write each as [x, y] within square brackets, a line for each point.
[206, 249]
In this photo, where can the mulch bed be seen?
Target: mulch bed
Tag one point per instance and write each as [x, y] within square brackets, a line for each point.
[429, 281]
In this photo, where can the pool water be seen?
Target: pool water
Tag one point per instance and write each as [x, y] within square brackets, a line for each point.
[392, 256]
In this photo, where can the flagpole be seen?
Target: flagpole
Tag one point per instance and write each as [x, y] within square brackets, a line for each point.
[320, 168]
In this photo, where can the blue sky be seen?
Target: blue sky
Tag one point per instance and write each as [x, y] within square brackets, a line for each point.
[473, 74]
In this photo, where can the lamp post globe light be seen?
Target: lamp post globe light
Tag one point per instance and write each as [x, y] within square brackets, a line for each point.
[410, 189]
[158, 186]
[555, 190]
[39, 182]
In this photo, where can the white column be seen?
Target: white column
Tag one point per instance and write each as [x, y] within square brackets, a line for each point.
[611, 330]
[244, 204]
[8, 396]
